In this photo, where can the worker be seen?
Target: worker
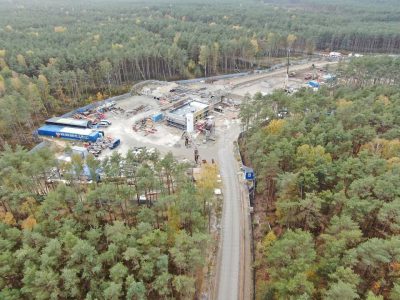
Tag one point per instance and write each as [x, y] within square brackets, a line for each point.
[196, 156]
[186, 141]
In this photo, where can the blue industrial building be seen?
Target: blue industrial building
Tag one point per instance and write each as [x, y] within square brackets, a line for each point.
[70, 133]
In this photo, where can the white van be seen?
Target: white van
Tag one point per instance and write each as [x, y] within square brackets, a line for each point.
[104, 123]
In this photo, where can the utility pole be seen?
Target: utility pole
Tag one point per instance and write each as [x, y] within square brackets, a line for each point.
[314, 73]
[287, 69]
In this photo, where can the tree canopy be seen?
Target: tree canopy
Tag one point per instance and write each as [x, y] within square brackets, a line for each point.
[327, 183]
[96, 240]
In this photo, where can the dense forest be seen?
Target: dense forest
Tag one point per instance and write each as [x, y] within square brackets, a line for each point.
[327, 206]
[55, 55]
[96, 241]
[328, 200]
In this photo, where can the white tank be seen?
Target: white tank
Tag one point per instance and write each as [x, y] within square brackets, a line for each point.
[189, 122]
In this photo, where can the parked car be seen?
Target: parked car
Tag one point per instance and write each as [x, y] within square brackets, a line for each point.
[114, 144]
[106, 121]
[103, 123]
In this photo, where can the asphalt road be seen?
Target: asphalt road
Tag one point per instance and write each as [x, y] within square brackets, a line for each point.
[229, 272]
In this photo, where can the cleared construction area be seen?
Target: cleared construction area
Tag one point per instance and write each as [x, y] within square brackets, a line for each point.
[177, 117]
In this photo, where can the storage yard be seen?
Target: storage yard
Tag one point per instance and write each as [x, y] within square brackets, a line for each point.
[170, 116]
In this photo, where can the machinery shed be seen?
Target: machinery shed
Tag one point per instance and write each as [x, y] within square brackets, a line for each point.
[70, 133]
[69, 122]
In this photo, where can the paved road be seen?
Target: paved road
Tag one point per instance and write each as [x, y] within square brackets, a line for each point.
[230, 279]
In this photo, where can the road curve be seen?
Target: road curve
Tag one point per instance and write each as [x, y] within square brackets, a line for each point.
[230, 271]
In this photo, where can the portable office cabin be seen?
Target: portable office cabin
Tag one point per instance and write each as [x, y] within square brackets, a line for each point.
[70, 133]
[69, 122]
[157, 117]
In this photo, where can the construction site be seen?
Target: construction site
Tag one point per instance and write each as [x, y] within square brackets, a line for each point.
[181, 117]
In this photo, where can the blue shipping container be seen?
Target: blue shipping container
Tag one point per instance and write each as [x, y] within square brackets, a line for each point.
[157, 117]
[313, 84]
[70, 133]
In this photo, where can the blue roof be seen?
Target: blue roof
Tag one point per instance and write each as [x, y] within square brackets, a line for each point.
[313, 84]
[51, 127]
[67, 129]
